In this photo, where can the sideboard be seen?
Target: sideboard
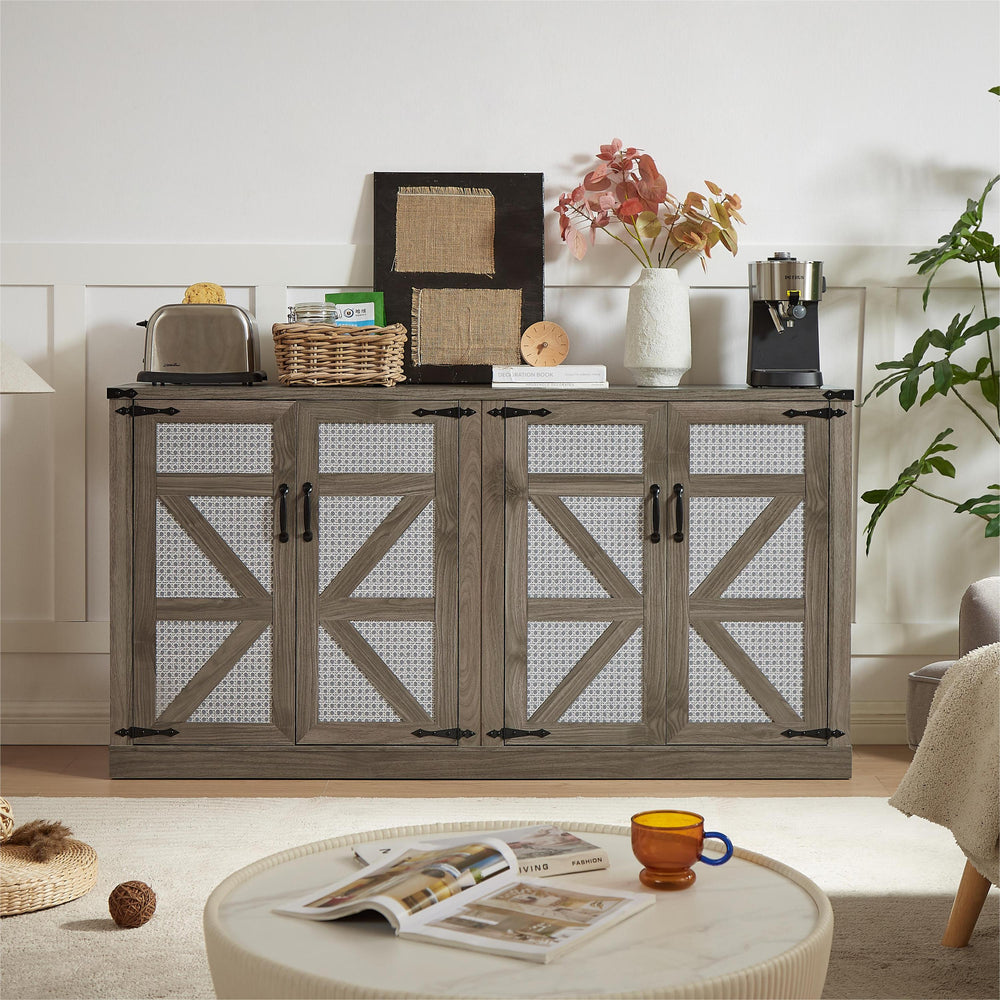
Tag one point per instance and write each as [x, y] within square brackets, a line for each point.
[459, 581]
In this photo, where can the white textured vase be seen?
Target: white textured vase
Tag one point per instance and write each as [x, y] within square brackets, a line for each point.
[658, 328]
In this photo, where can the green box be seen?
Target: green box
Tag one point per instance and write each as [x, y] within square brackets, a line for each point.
[359, 308]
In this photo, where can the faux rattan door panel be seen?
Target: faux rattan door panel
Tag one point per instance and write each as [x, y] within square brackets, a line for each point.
[377, 603]
[748, 586]
[213, 586]
[585, 612]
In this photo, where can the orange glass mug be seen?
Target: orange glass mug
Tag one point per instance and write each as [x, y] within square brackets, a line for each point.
[668, 842]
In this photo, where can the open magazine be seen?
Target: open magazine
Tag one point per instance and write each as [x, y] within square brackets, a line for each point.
[541, 851]
[466, 893]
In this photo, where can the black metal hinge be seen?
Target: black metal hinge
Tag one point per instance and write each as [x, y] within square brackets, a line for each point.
[839, 394]
[510, 734]
[134, 732]
[445, 734]
[454, 411]
[824, 414]
[122, 394]
[144, 411]
[513, 411]
[816, 734]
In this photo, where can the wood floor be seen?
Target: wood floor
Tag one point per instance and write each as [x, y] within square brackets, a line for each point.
[83, 770]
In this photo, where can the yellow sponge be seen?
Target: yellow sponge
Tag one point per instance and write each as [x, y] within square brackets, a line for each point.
[205, 291]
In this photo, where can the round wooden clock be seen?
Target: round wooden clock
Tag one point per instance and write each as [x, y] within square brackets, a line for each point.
[544, 344]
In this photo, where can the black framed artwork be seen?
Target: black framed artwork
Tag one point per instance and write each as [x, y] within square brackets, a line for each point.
[459, 260]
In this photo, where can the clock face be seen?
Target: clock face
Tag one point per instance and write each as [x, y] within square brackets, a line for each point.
[544, 344]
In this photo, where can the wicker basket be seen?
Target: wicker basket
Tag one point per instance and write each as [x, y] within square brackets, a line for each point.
[317, 354]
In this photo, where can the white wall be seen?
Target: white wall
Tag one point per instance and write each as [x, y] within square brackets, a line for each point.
[149, 145]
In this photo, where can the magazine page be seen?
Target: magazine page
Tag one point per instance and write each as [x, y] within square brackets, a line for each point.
[541, 851]
[409, 881]
[527, 919]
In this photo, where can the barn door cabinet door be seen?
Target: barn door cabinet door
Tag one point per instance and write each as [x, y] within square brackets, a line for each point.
[213, 582]
[748, 600]
[584, 578]
[378, 573]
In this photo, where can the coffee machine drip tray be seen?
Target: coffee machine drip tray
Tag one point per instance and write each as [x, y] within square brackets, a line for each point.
[786, 378]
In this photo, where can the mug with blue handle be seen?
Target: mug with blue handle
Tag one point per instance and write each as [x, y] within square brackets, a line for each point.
[668, 842]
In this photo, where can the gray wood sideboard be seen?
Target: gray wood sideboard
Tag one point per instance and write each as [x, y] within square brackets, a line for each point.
[459, 581]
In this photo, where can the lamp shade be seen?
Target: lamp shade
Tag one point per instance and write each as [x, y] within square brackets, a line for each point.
[17, 376]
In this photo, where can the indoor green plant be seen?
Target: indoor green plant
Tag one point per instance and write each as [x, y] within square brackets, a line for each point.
[626, 192]
[975, 386]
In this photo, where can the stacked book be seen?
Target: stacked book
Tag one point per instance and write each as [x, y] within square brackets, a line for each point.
[557, 377]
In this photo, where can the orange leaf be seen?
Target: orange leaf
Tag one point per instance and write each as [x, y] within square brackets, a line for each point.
[714, 188]
[647, 168]
[629, 209]
[597, 179]
[653, 190]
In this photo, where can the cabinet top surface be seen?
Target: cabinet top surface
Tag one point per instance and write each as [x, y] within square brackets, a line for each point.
[741, 393]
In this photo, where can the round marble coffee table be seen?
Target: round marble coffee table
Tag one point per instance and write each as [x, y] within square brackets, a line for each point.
[752, 928]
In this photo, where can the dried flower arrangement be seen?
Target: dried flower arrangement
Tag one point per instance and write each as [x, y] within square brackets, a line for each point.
[627, 188]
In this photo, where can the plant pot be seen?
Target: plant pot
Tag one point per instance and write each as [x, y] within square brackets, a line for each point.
[658, 328]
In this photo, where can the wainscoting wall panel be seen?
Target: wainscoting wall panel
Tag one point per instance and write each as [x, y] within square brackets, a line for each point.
[70, 310]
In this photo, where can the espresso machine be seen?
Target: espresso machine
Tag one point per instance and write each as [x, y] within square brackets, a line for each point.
[784, 325]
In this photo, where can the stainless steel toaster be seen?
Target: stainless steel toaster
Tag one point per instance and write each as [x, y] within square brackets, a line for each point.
[201, 344]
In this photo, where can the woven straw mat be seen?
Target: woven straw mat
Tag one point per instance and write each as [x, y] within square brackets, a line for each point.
[27, 885]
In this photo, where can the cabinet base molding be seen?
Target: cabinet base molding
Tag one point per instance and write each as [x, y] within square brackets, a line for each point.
[489, 763]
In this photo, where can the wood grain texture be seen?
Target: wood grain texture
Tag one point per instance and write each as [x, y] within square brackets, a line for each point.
[386, 609]
[817, 555]
[209, 484]
[254, 612]
[739, 554]
[585, 546]
[487, 521]
[218, 553]
[405, 395]
[375, 546]
[513, 761]
[747, 673]
[207, 677]
[597, 485]
[493, 569]
[582, 673]
[842, 550]
[121, 535]
[655, 642]
[470, 563]
[346, 484]
[335, 608]
[213, 608]
[446, 574]
[388, 685]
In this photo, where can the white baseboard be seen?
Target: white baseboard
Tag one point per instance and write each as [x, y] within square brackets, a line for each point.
[87, 722]
[878, 722]
[55, 723]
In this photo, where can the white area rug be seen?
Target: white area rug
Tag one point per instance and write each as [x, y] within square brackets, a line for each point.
[891, 881]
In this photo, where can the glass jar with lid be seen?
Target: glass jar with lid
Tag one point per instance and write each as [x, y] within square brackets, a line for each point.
[314, 312]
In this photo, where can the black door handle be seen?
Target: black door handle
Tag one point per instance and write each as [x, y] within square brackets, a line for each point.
[679, 494]
[282, 513]
[655, 493]
[307, 535]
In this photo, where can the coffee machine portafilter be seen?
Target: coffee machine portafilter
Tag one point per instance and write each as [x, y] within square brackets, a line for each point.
[783, 350]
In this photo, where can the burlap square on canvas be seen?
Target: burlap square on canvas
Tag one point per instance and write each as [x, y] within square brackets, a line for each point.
[445, 230]
[466, 326]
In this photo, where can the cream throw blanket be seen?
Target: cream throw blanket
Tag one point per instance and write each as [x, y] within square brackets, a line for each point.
[954, 779]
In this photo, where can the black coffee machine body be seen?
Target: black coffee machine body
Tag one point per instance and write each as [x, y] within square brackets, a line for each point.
[784, 322]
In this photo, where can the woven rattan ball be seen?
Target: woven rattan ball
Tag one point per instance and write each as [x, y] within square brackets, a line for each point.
[131, 904]
[6, 820]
